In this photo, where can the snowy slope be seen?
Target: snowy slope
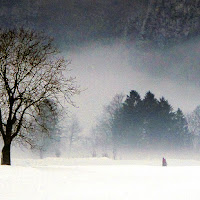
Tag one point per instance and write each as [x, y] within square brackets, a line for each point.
[98, 179]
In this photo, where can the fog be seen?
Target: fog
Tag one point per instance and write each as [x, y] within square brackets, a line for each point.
[104, 70]
[102, 39]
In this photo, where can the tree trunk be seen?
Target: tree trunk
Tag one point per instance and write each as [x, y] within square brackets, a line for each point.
[5, 157]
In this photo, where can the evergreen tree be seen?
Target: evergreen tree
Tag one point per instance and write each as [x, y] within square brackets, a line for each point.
[127, 122]
[165, 122]
[150, 115]
[182, 135]
[150, 123]
[132, 114]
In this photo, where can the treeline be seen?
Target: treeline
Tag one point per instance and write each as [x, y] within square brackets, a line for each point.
[73, 22]
[143, 124]
[150, 123]
[130, 126]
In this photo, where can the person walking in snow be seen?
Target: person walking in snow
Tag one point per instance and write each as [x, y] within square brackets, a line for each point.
[164, 162]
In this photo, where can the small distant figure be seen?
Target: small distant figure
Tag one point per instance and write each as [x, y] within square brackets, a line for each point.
[164, 162]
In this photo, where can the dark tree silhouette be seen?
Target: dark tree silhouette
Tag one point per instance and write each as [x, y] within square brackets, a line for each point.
[31, 70]
[150, 123]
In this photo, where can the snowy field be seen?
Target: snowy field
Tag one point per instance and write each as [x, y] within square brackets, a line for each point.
[99, 179]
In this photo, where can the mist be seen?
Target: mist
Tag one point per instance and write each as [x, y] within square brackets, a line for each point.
[113, 49]
[105, 70]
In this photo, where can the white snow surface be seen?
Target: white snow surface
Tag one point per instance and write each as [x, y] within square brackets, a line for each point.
[99, 179]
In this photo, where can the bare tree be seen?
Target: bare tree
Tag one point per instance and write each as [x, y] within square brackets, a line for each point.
[74, 129]
[46, 134]
[111, 110]
[31, 70]
[105, 124]
[193, 120]
[94, 141]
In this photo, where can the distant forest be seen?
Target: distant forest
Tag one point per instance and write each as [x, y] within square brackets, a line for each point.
[80, 21]
[150, 123]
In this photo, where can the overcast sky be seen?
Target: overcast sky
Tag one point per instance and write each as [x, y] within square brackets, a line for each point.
[104, 70]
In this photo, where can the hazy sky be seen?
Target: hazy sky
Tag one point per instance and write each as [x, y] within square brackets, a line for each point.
[104, 70]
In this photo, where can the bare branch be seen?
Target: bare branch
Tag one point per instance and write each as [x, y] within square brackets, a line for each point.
[31, 70]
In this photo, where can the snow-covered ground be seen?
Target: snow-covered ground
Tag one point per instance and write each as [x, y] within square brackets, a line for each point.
[99, 179]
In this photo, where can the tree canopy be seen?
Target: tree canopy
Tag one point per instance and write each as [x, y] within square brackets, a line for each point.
[31, 70]
[149, 124]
